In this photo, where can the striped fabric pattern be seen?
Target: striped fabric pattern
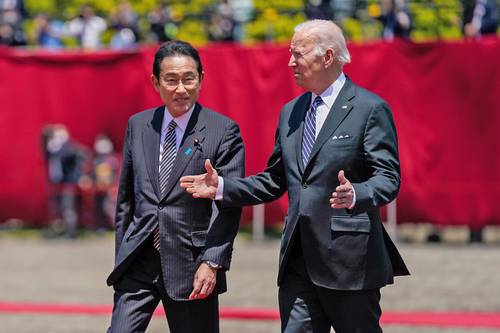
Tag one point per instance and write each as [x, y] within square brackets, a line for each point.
[169, 152]
[309, 136]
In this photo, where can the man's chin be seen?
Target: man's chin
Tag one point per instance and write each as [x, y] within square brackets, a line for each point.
[179, 109]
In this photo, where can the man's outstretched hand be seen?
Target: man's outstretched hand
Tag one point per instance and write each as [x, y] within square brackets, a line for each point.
[202, 186]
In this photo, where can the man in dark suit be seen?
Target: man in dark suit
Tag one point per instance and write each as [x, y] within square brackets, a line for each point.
[168, 247]
[337, 137]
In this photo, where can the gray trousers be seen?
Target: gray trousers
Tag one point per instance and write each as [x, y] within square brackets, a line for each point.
[308, 308]
[139, 291]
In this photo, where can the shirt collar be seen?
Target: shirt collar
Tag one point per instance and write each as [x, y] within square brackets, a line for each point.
[181, 121]
[330, 94]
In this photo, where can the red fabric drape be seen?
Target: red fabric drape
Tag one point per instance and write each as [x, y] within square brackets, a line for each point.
[445, 99]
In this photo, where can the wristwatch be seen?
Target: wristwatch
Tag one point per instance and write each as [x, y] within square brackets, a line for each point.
[212, 264]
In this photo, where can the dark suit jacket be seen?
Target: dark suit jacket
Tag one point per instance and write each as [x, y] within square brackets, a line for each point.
[342, 250]
[187, 235]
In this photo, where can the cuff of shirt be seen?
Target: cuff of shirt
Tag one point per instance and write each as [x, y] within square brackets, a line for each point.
[220, 189]
[353, 199]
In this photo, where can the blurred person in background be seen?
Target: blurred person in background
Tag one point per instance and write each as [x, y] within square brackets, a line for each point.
[319, 9]
[243, 11]
[124, 22]
[64, 159]
[169, 246]
[480, 17]
[221, 25]
[47, 33]
[336, 154]
[12, 15]
[161, 23]
[104, 177]
[396, 20]
[87, 28]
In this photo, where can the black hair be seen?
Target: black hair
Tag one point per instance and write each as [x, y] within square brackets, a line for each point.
[176, 48]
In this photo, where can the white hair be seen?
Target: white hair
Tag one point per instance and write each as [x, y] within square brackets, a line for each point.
[328, 35]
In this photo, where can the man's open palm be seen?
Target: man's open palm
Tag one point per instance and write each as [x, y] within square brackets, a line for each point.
[202, 186]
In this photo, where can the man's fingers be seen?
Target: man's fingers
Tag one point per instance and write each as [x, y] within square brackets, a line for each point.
[343, 188]
[197, 284]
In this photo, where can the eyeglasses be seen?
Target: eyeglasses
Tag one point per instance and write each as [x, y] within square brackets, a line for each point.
[173, 83]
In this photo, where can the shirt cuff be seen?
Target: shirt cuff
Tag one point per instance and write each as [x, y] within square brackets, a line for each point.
[353, 199]
[220, 189]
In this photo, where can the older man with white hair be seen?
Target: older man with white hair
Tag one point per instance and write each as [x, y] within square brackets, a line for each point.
[336, 155]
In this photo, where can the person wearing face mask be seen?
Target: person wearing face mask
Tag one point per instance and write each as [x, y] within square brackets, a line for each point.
[104, 177]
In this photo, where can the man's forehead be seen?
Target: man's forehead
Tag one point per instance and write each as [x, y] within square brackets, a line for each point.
[302, 39]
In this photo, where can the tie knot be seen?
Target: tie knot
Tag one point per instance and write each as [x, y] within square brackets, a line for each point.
[171, 125]
[317, 102]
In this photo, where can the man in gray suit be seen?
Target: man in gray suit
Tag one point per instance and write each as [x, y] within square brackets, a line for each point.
[337, 137]
[167, 246]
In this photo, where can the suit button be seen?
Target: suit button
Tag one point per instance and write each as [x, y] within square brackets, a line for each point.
[160, 207]
[304, 185]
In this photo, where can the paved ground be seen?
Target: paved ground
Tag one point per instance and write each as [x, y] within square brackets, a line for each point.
[446, 277]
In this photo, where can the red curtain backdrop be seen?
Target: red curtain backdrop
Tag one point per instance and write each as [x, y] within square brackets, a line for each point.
[445, 99]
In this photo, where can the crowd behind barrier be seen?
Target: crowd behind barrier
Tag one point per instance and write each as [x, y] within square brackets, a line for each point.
[120, 24]
[444, 97]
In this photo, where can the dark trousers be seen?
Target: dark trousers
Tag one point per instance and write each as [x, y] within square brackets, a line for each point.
[308, 308]
[139, 291]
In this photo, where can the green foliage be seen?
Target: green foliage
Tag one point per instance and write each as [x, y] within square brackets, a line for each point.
[274, 20]
[192, 31]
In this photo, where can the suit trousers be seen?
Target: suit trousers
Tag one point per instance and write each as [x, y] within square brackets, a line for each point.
[308, 308]
[139, 291]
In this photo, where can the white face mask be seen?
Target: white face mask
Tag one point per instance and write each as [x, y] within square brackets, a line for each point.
[58, 139]
[103, 146]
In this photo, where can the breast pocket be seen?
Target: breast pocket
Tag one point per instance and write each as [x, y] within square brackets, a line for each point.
[342, 141]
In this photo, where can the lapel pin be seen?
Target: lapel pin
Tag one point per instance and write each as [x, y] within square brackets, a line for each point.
[344, 107]
[197, 144]
[188, 151]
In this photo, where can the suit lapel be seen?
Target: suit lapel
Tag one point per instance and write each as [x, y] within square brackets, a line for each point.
[151, 147]
[339, 111]
[302, 106]
[194, 130]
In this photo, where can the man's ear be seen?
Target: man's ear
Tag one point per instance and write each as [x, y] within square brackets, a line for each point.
[329, 57]
[155, 82]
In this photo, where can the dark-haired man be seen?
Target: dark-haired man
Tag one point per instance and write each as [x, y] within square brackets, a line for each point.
[168, 247]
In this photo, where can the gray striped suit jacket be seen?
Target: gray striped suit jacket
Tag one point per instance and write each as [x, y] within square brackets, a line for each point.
[187, 235]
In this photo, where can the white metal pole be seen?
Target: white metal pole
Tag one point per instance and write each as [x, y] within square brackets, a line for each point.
[392, 223]
[258, 222]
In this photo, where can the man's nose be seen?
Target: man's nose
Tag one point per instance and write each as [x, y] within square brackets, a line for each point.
[180, 88]
[291, 61]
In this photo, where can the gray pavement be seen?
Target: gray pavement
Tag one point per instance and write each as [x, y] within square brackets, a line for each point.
[446, 277]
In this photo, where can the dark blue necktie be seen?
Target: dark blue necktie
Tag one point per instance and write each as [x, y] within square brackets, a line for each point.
[309, 136]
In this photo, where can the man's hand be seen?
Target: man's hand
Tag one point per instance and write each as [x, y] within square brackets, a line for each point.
[202, 186]
[343, 195]
[204, 282]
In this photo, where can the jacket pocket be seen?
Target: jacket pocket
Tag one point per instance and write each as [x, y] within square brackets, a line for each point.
[350, 224]
[198, 238]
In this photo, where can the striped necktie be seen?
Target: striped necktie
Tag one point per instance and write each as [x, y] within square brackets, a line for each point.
[168, 154]
[309, 136]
